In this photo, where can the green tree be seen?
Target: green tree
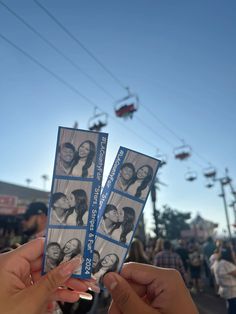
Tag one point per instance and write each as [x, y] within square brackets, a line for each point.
[170, 222]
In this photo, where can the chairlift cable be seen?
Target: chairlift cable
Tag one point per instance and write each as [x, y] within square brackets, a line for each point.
[68, 85]
[118, 81]
[80, 44]
[62, 54]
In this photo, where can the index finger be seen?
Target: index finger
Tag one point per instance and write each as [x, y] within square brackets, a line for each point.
[30, 251]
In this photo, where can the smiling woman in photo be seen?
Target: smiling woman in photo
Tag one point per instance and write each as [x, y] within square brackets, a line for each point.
[108, 263]
[71, 249]
[78, 214]
[84, 161]
[138, 186]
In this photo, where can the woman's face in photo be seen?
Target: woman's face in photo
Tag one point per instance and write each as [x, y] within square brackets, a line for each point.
[54, 252]
[120, 215]
[95, 260]
[84, 150]
[142, 172]
[67, 154]
[71, 200]
[127, 173]
[70, 246]
[108, 260]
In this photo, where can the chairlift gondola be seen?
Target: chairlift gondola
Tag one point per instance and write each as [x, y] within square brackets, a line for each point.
[191, 176]
[126, 106]
[210, 183]
[209, 172]
[97, 121]
[182, 152]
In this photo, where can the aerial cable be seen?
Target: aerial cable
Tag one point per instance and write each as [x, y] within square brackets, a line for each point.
[65, 57]
[154, 132]
[80, 44]
[101, 64]
[68, 85]
[45, 40]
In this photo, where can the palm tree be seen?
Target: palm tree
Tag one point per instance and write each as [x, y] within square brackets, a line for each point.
[45, 178]
[28, 181]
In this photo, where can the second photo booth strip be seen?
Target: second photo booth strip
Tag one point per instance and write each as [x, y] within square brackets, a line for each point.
[75, 197]
[121, 204]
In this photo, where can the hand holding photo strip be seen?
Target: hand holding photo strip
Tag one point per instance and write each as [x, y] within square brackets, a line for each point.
[74, 201]
[122, 201]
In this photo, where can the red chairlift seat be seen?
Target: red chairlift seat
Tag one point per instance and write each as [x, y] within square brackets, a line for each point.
[126, 111]
[210, 172]
[182, 152]
[126, 106]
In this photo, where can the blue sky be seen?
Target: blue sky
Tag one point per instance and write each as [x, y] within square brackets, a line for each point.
[179, 56]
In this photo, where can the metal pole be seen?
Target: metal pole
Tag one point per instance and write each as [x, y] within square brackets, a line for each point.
[226, 209]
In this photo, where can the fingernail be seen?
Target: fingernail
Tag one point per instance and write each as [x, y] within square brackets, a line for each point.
[69, 267]
[110, 281]
[85, 296]
[94, 288]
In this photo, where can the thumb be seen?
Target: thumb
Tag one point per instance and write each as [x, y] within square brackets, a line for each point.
[49, 283]
[124, 297]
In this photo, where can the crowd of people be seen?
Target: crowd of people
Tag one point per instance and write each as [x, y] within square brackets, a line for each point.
[209, 264]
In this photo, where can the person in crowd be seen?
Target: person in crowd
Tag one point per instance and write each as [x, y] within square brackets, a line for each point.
[109, 220]
[195, 267]
[207, 250]
[53, 256]
[108, 263]
[34, 221]
[123, 229]
[127, 172]
[59, 208]
[84, 163]
[169, 259]
[136, 253]
[169, 294]
[66, 158]
[138, 186]
[183, 253]
[71, 249]
[213, 260]
[78, 214]
[225, 274]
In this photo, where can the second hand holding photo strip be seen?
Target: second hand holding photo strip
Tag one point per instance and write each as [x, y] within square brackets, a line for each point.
[121, 205]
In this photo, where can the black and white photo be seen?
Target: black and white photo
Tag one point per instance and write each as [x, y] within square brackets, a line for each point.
[108, 257]
[70, 202]
[120, 218]
[136, 175]
[62, 245]
[76, 153]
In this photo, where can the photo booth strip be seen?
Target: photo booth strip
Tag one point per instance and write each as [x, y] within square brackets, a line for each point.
[74, 198]
[121, 205]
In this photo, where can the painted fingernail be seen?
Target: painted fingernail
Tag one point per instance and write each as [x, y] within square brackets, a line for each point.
[85, 296]
[69, 267]
[94, 288]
